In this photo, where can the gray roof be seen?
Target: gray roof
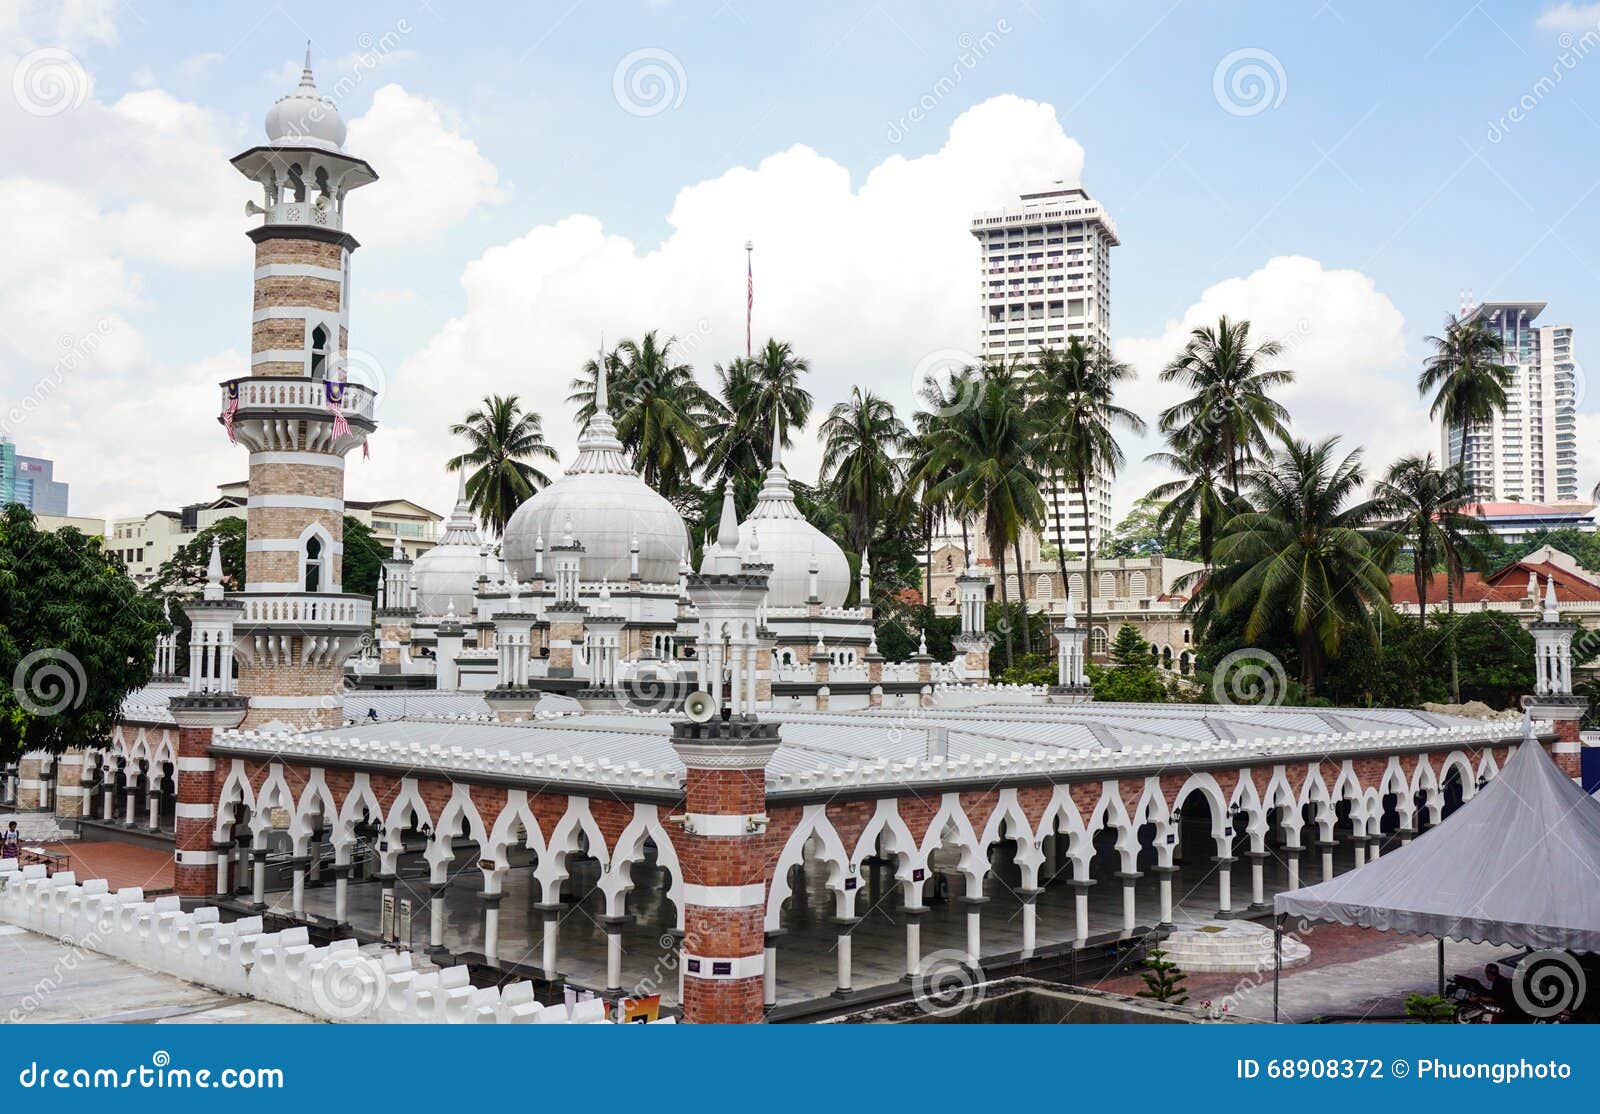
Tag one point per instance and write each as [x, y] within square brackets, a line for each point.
[827, 751]
[1518, 864]
[148, 705]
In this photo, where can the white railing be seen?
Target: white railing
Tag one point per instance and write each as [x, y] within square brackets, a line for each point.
[307, 609]
[300, 394]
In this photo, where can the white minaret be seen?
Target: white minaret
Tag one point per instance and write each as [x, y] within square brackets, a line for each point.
[299, 418]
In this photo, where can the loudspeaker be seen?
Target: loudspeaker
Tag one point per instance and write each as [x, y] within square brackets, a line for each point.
[700, 708]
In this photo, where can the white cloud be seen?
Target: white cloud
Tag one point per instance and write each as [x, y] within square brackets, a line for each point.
[1570, 17]
[430, 175]
[864, 280]
[1344, 339]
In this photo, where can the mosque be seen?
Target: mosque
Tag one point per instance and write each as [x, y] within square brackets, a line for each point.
[578, 760]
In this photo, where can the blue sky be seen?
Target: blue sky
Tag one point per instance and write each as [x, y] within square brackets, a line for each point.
[1381, 174]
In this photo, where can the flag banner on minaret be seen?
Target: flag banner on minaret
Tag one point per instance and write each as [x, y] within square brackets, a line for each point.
[230, 407]
[366, 449]
[334, 393]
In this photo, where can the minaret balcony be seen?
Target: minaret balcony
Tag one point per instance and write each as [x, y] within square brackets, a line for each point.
[303, 612]
[299, 397]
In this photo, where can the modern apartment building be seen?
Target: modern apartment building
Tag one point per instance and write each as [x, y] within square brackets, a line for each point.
[1044, 269]
[1529, 452]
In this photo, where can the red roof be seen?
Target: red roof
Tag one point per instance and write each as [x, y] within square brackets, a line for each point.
[1506, 585]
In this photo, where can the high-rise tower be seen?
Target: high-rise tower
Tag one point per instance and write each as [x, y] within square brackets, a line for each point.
[299, 418]
[1044, 271]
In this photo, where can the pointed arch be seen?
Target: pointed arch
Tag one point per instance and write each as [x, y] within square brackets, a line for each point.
[361, 797]
[563, 841]
[516, 815]
[235, 790]
[814, 823]
[629, 850]
[1008, 810]
[316, 792]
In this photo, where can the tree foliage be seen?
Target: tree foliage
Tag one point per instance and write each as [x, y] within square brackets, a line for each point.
[76, 636]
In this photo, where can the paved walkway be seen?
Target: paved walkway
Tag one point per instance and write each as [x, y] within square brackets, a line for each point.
[120, 864]
[43, 980]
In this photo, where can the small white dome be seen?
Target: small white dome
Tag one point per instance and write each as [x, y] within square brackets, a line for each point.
[609, 507]
[447, 574]
[782, 538]
[305, 116]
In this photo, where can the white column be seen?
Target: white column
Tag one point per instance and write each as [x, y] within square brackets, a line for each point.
[1030, 923]
[913, 940]
[1294, 868]
[1361, 853]
[613, 958]
[843, 953]
[436, 895]
[1258, 882]
[258, 883]
[107, 800]
[341, 890]
[974, 931]
[769, 971]
[1080, 910]
[491, 927]
[551, 936]
[224, 866]
[299, 891]
[154, 800]
[1327, 860]
[1165, 874]
[1224, 886]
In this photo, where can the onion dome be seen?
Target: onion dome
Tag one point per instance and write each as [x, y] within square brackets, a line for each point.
[305, 117]
[789, 543]
[608, 505]
[447, 575]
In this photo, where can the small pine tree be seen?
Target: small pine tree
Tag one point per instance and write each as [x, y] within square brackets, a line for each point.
[1163, 979]
[1129, 648]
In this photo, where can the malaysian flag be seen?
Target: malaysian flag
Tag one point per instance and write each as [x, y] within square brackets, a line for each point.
[230, 407]
[334, 394]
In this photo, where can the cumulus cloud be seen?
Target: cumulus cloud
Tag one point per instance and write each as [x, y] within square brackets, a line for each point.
[1570, 17]
[1344, 339]
[865, 279]
[430, 175]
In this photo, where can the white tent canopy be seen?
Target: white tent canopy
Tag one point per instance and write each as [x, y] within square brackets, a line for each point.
[1518, 864]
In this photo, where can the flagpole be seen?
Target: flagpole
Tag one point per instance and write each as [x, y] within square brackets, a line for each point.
[749, 292]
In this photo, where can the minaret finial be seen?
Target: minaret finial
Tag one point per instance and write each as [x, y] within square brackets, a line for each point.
[213, 589]
[777, 433]
[728, 527]
[602, 394]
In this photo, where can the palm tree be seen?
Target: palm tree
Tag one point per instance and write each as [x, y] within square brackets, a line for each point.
[504, 438]
[1305, 551]
[1229, 412]
[660, 410]
[1198, 496]
[1424, 507]
[861, 438]
[992, 444]
[1076, 392]
[1466, 377]
[753, 391]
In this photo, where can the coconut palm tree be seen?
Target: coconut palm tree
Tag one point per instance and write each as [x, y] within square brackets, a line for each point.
[504, 438]
[1198, 496]
[861, 440]
[1308, 550]
[992, 444]
[1424, 510]
[752, 393]
[1229, 412]
[1075, 392]
[1466, 377]
[660, 410]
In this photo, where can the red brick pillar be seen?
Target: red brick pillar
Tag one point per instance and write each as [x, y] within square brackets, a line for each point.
[194, 855]
[722, 855]
[1568, 751]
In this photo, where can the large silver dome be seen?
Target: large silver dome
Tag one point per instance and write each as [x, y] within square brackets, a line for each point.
[608, 506]
[447, 574]
[776, 533]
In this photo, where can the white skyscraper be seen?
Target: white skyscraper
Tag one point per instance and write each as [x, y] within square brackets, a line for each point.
[1045, 275]
[1528, 453]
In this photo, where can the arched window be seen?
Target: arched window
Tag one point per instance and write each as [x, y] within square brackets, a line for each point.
[1075, 582]
[1097, 640]
[1041, 587]
[1108, 586]
[313, 574]
[1166, 657]
[1137, 585]
[319, 352]
[1012, 588]
[1184, 662]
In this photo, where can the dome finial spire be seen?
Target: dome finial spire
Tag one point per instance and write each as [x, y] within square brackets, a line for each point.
[602, 394]
[777, 433]
[307, 67]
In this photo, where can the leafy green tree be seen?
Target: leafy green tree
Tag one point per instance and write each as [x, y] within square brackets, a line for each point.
[503, 439]
[1075, 391]
[1163, 979]
[184, 573]
[1141, 534]
[1309, 550]
[363, 559]
[1429, 1009]
[76, 636]
[1131, 675]
[1466, 376]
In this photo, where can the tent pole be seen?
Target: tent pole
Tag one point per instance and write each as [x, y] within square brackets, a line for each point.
[1441, 966]
[1277, 961]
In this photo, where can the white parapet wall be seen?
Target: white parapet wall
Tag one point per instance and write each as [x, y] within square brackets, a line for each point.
[342, 982]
